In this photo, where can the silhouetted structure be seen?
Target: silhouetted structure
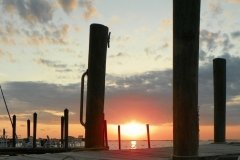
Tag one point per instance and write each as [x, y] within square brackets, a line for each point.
[148, 136]
[66, 128]
[4, 133]
[105, 135]
[28, 128]
[14, 131]
[119, 137]
[186, 22]
[94, 126]
[62, 129]
[34, 129]
[219, 74]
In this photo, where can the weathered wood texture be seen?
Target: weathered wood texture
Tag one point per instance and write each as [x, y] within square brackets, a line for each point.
[28, 128]
[66, 112]
[219, 75]
[14, 131]
[34, 130]
[94, 127]
[186, 23]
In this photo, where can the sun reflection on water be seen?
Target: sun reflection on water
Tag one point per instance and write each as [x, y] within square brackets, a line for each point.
[133, 144]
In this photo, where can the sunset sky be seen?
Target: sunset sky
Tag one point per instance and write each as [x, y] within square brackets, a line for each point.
[44, 51]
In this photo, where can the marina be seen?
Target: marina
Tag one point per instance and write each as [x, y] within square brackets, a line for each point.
[166, 102]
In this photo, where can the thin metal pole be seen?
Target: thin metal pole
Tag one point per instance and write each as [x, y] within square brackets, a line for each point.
[14, 131]
[66, 127]
[119, 137]
[6, 106]
[148, 136]
[34, 129]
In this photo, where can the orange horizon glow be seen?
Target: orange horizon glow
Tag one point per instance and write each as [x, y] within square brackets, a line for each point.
[132, 130]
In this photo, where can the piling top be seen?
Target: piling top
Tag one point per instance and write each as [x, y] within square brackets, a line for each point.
[96, 25]
[219, 60]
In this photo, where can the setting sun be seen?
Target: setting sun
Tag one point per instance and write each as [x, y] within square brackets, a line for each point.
[133, 130]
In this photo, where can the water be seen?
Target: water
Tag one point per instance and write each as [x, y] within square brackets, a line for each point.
[141, 144]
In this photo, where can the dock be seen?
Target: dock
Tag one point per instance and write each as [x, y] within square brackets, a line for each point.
[226, 151]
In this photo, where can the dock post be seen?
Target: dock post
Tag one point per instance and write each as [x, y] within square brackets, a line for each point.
[119, 137]
[66, 128]
[62, 129]
[94, 126]
[4, 133]
[105, 134]
[186, 24]
[34, 130]
[28, 129]
[148, 136]
[219, 74]
[14, 131]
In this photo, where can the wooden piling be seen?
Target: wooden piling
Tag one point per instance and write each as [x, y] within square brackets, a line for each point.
[62, 130]
[186, 24]
[66, 128]
[105, 135]
[119, 137]
[28, 129]
[14, 131]
[34, 130]
[94, 126]
[4, 133]
[219, 75]
[148, 136]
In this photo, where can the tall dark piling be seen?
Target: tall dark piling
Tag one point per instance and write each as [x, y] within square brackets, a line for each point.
[105, 135]
[34, 130]
[4, 133]
[14, 131]
[219, 75]
[148, 136]
[28, 128]
[186, 22]
[119, 137]
[66, 128]
[62, 130]
[94, 126]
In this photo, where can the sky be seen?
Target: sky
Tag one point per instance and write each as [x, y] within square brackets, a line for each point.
[44, 52]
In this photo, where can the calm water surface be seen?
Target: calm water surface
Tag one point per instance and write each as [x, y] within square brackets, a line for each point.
[140, 144]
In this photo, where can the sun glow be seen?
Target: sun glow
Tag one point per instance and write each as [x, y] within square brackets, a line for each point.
[133, 130]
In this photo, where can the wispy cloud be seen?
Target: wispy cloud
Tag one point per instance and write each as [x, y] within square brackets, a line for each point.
[235, 34]
[68, 5]
[56, 113]
[56, 65]
[233, 1]
[212, 42]
[30, 10]
[89, 9]
[215, 7]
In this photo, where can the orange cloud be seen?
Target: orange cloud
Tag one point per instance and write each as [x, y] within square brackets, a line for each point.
[125, 108]
[68, 5]
[234, 1]
[90, 10]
